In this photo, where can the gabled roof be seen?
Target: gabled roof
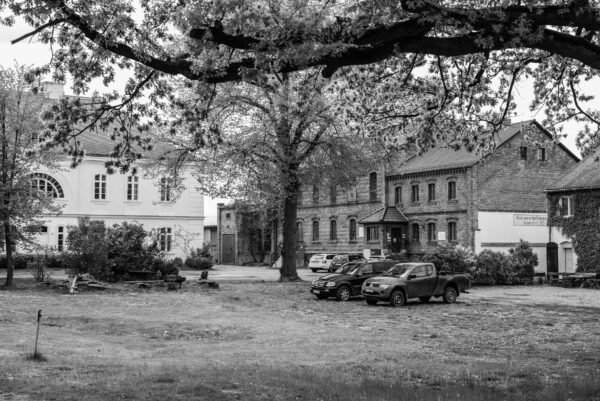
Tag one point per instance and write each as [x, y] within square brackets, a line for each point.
[583, 175]
[388, 214]
[444, 157]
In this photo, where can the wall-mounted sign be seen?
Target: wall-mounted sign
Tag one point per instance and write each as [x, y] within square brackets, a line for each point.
[441, 235]
[529, 220]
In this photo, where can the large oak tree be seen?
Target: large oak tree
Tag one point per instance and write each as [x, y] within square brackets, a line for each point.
[422, 70]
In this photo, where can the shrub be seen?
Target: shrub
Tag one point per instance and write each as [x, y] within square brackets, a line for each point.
[198, 259]
[493, 268]
[89, 249]
[524, 261]
[449, 258]
[129, 249]
[166, 267]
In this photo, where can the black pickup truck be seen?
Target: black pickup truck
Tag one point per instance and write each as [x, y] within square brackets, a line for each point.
[346, 281]
[414, 280]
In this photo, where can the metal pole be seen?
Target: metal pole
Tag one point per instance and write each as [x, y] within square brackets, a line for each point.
[37, 332]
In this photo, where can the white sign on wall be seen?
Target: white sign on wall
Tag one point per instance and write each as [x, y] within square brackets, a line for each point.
[441, 235]
[529, 220]
[361, 231]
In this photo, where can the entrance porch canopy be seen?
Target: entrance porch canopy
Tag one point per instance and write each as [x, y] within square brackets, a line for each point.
[385, 215]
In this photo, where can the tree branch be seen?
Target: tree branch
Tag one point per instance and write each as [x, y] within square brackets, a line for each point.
[38, 29]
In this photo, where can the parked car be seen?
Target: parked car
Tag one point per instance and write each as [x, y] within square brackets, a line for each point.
[320, 261]
[347, 280]
[380, 257]
[414, 280]
[343, 258]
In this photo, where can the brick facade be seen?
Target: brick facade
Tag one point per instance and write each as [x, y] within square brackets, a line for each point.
[505, 180]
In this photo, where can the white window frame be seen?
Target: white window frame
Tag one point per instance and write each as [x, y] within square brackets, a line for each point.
[100, 184]
[133, 188]
[165, 189]
[570, 206]
[165, 238]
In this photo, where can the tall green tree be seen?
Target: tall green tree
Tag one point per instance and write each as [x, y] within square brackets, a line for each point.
[23, 198]
[262, 139]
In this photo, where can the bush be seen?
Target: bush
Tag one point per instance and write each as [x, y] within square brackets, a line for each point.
[199, 259]
[129, 249]
[449, 258]
[493, 268]
[89, 249]
[524, 261]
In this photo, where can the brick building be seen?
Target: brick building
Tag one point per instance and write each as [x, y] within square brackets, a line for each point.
[574, 201]
[485, 201]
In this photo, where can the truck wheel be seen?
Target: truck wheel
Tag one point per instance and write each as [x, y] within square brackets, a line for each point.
[314, 270]
[397, 299]
[424, 299]
[371, 301]
[343, 293]
[450, 295]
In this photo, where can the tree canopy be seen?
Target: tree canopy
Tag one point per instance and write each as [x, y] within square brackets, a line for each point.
[483, 46]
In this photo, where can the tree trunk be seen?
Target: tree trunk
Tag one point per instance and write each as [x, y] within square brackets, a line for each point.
[9, 257]
[288, 270]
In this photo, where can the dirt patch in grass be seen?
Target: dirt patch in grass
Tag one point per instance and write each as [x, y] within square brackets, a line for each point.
[272, 341]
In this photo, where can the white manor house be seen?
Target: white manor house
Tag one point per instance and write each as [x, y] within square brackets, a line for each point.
[88, 190]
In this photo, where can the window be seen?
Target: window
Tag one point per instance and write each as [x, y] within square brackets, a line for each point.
[541, 154]
[431, 232]
[299, 201]
[451, 190]
[452, 231]
[164, 239]
[315, 230]
[566, 206]
[415, 233]
[429, 270]
[352, 230]
[373, 186]
[414, 194]
[165, 189]
[431, 192]
[60, 244]
[315, 194]
[47, 185]
[372, 233]
[333, 194]
[398, 195]
[227, 216]
[100, 186]
[132, 188]
[299, 232]
[523, 152]
[418, 271]
[333, 230]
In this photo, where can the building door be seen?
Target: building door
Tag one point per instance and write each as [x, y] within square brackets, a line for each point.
[552, 257]
[569, 260]
[397, 237]
[228, 252]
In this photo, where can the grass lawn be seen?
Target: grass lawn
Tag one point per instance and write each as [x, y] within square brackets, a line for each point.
[272, 341]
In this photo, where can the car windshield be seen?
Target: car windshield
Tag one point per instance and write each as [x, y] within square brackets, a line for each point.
[347, 268]
[399, 270]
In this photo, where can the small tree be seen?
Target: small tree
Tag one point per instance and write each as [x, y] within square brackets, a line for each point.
[524, 260]
[21, 201]
[89, 248]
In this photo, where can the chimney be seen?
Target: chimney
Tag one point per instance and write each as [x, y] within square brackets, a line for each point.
[51, 90]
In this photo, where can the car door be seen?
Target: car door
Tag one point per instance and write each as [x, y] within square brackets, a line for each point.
[363, 273]
[417, 285]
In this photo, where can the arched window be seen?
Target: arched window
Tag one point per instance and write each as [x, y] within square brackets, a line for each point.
[47, 185]
[333, 230]
[315, 230]
[352, 229]
[415, 234]
[373, 186]
[315, 194]
[299, 232]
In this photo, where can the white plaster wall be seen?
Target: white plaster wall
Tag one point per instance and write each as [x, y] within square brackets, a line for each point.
[498, 232]
[185, 215]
